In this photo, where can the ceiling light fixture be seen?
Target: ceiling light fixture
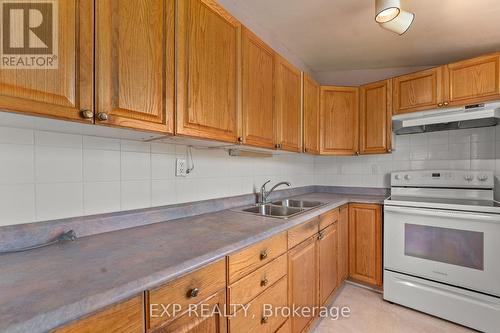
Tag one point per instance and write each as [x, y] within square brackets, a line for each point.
[390, 16]
[386, 10]
[401, 23]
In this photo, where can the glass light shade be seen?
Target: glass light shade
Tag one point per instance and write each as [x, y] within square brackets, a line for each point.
[386, 10]
[400, 24]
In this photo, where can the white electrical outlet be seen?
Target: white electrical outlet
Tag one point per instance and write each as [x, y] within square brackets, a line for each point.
[180, 170]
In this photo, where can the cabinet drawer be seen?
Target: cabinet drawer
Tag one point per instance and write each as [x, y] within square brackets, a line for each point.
[328, 218]
[255, 256]
[302, 232]
[244, 290]
[126, 317]
[254, 320]
[189, 289]
[286, 327]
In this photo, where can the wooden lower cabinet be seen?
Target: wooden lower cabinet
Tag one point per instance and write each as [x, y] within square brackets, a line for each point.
[185, 292]
[256, 318]
[327, 252]
[303, 280]
[365, 243]
[343, 244]
[199, 321]
[125, 317]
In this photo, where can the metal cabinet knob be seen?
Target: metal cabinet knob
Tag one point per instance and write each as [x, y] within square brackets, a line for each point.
[102, 116]
[240, 139]
[440, 104]
[264, 282]
[389, 150]
[264, 320]
[321, 236]
[87, 114]
[263, 255]
[446, 103]
[193, 292]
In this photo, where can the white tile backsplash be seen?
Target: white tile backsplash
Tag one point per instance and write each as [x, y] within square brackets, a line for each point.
[46, 175]
[58, 200]
[460, 149]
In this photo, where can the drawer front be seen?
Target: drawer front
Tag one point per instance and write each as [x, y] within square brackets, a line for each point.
[255, 256]
[190, 289]
[255, 320]
[328, 218]
[286, 327]
[302, 232]
[126, 317]
[244, 290]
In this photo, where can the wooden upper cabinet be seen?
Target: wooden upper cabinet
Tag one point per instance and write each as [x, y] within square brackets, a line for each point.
[135, 64]
[62, 91]
[474, 80]
[288, 106]
[375, 117]
[207, 71]
[311, 115]
[365, 243]
[257, 91]
[339, 118]
[418, 91]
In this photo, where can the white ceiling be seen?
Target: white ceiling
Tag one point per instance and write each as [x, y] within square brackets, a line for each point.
[341, 35]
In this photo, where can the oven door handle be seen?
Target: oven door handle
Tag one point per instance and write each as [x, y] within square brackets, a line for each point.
[444, 213]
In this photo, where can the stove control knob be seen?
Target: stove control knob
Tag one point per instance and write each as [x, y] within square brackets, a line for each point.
[407, 177]
[397, 177]
[469, 178]
[482, 178]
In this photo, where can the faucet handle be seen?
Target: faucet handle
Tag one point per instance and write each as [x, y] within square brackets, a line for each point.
[263, 187]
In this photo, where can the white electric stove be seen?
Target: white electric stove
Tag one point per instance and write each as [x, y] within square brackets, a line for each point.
[442, 245]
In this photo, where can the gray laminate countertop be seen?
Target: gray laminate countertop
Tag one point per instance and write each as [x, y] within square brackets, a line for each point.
[45, 288]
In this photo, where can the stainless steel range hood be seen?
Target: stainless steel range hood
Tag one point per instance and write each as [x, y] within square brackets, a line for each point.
[470, 116]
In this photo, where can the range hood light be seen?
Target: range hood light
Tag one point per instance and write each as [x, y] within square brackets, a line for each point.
[401, 23]
[386, 10]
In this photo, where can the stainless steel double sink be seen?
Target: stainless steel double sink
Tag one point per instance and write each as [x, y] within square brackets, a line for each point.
[281, 209]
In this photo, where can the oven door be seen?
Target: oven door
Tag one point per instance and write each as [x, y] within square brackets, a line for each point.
[458, 248]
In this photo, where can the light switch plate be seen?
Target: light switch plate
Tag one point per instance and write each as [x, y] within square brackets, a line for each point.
[180, 170]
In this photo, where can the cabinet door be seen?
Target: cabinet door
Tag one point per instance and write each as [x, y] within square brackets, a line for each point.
[365, 243]
[288, 106]
[339, 119]
[303, 280]
[418, 91]
[375, 117]
[474, 80]
[258, 91]
[125, 317]
[343, 246]
[311, 115]
[61, 91]
[328, 252]
[193, 323]
[135, 64]
[207, 71]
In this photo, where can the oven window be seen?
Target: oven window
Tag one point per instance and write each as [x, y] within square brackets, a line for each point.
[452, 246]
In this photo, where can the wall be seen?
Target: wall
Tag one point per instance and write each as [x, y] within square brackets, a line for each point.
[460, 149]
[46, 175]
[357, 77]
